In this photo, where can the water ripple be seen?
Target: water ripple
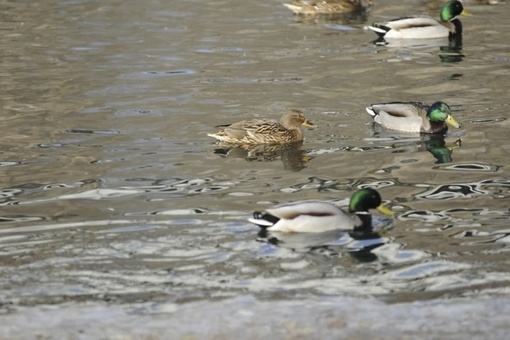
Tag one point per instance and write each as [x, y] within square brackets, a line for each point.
[469, 167]
[425, 269]
[91, 131]
[328, 185]
[467, 190]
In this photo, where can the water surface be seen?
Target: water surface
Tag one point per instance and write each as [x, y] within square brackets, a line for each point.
[112, 193]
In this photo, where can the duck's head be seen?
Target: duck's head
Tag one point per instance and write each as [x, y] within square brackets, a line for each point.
[440, 112]
[366, 199]
[451, 10]
[294, 119]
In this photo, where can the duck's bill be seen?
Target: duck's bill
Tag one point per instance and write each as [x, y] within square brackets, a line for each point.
[309, 124]
[455, 145]
[452, 122]
[385, 210]
[466, 13]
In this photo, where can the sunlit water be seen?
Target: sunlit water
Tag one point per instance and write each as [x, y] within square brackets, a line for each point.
[111, 192]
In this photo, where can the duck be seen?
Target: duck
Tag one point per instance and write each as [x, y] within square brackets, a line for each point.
[319, 216]
[434, 5]
[413, 116]
[264, 131]
[424, 27]
[327, 7]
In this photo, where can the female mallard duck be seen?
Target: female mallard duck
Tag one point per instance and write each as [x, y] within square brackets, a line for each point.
[413, 116]
[424, 27]
[327, 7]
[317, 217]
[265, 131]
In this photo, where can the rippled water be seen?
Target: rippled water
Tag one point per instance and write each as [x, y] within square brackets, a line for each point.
[112, 192]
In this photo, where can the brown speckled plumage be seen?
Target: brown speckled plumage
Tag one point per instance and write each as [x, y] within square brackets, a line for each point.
[327, 7]
[264, 131]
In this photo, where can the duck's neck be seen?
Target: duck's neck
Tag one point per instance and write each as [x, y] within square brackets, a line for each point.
[436, 127]
[457, 27]
[366, 221]
[454, 26]
[298, 134]
[429, 126]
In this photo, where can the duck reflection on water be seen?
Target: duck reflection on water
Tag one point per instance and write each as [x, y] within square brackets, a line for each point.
[292, 156]
[449, 51]
[357, 243]
[434, 144]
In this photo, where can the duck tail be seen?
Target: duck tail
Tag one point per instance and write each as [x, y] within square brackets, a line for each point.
[295, 9]
[371, 111]
[263, 220]
[381, 30]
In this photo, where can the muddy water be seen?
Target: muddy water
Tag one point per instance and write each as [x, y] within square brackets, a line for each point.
[111, 192]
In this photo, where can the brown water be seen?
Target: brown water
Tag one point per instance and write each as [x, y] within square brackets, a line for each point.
[111, 192]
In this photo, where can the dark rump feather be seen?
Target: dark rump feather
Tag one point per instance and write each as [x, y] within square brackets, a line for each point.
[381, 27]
[265, 216]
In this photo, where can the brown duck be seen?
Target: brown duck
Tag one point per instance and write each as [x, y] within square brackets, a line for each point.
[264, 131]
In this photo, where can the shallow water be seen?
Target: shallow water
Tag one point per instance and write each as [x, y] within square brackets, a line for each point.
[112, 193]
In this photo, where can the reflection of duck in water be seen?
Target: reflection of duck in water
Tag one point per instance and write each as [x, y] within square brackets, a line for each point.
[317, 217]
[291, 154]
[413, 116]
[264, 131]
[452, 53]
[329, 8]
[424, 27]
[436, 145]
[358, 244]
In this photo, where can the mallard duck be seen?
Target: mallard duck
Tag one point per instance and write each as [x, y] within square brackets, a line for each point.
[327, 7]
[316, 216]
[434, 5]
[264, 131]
[424, 27]
[413, 116]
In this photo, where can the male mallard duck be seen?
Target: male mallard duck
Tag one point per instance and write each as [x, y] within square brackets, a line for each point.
[413, 116]
[316, 216]
[434, 5]
[265, 131]
[327, 7]
[424, 27]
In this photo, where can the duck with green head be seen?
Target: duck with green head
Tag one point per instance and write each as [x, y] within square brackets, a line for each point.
[317, 216]
[424, 27]
[413, 116]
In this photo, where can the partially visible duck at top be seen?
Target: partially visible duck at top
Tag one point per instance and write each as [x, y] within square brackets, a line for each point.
[422, 26]
[327, 7]
[264, 131]
[434, 5]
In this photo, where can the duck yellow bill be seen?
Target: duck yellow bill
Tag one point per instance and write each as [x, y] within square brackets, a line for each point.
[309, 124]
[466, 13]
[385, 210]
[452, 122]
